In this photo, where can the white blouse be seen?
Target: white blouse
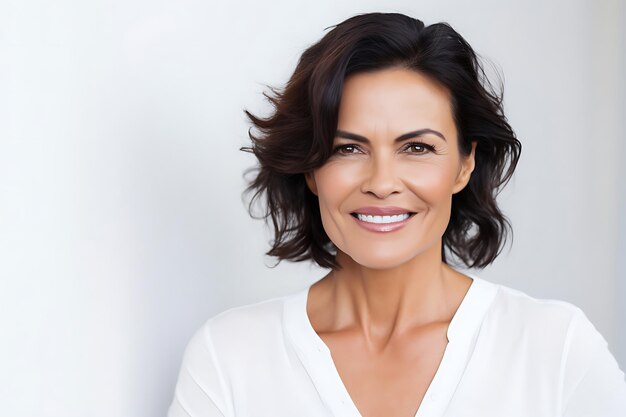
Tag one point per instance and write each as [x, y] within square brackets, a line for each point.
[508, 355]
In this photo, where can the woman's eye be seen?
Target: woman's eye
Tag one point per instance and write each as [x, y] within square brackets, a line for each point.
[419, 148]
[346, 149]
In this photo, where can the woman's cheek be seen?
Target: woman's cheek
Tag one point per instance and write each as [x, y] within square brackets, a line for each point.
[431, 183]
[339, 176]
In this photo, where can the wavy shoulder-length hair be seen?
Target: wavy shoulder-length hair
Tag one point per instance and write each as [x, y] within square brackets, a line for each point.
[298, 136]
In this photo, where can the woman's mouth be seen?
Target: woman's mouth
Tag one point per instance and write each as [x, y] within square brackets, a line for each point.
[377, 223]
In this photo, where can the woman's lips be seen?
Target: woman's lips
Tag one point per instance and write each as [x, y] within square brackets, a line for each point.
[382, 227]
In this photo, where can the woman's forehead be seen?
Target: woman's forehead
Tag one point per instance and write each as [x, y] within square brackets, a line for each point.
[394, 100]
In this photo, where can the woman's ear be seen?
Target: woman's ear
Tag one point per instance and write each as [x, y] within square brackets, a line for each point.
[310, 181]
[467, 167]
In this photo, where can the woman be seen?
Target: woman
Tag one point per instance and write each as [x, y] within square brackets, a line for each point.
[382, 159]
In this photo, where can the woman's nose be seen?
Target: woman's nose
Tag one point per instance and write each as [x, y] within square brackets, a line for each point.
[381, 178]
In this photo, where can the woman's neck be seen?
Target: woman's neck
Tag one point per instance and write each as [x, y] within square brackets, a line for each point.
[384, 304]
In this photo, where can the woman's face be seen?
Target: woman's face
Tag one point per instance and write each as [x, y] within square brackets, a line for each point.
[385, 194]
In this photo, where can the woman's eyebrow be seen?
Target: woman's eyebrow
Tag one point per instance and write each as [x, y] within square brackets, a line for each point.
[401, 138]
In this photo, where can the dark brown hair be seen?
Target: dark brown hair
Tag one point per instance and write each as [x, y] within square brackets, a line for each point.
[298, 136]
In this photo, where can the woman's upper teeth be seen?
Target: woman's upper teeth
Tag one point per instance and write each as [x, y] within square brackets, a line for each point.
[382, 219]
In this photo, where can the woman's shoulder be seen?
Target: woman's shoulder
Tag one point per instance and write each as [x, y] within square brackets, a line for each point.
[250, 313]
[550, 325]
[561, 334]
[256, 325]
[515, 304]
[235, 345]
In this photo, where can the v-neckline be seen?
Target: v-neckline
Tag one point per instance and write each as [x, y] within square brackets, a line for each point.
[318, 362]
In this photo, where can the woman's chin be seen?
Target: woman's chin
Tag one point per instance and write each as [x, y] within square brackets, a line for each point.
[374, 260]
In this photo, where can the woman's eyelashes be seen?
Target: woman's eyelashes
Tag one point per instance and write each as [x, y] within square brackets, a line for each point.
[417, 148]
[345, 149]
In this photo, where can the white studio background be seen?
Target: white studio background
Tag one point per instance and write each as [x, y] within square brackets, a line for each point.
[122, 227]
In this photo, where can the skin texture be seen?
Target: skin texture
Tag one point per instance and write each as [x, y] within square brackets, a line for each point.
[385, 314]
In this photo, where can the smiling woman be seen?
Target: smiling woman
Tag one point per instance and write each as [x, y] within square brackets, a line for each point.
[417, 172]
[382, 162]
